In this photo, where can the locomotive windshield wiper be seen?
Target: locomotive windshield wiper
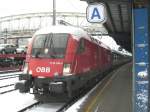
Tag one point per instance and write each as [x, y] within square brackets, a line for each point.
[52, 47]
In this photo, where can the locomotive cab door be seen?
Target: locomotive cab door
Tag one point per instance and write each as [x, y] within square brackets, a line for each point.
[81, 57]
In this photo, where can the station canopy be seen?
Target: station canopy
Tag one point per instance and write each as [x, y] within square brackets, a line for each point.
[118, 22]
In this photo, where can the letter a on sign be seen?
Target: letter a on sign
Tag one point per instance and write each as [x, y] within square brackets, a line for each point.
[96, 13]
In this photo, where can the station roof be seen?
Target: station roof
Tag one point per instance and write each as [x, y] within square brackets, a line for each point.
[118, 23]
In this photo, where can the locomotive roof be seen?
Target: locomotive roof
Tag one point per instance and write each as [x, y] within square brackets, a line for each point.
[76, 31]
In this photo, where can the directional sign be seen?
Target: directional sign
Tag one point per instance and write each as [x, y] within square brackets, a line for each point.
[96, 13]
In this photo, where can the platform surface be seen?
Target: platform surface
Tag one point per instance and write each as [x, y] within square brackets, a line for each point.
[115, 95]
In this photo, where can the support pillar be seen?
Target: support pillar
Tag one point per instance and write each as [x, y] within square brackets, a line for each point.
[140, 56]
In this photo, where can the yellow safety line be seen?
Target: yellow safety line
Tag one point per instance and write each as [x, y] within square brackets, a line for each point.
[95, 99]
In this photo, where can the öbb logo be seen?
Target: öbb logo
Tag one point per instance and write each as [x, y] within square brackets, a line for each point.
[43, 69]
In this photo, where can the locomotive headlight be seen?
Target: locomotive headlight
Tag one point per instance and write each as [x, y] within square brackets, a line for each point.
[25, 68]
[66, 68]
[30, 72]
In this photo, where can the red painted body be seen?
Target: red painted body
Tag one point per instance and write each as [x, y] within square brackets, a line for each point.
[94, 58]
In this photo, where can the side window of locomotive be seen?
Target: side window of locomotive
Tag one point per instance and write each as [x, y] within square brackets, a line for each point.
[81, 47]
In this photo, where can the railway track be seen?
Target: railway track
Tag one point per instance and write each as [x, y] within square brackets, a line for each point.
[9, 71]
[45, 107]
[7, 91]
[9, 74]
[53, 106]
[7, 88]
[7, 85]
[15, 101]
[10, 77]
[29, 107]
[7, 82]
[62, 106]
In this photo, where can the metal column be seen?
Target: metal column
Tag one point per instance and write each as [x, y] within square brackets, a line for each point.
[141, 59]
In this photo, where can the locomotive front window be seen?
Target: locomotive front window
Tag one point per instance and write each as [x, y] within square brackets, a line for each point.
[39, 41]
[50, 45]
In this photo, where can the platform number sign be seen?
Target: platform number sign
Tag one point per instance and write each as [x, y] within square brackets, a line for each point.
[96, 13]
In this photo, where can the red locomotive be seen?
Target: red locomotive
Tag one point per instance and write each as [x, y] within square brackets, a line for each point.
[61, 60]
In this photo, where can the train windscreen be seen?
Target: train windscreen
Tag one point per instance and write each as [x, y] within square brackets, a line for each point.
[50, 45]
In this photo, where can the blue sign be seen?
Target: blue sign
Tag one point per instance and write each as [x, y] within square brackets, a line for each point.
[96, 13]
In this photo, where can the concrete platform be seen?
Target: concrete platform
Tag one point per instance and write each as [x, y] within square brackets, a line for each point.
[114, 94]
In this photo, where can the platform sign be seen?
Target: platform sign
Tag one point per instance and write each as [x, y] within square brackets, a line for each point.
[141, 60]
[96, 13]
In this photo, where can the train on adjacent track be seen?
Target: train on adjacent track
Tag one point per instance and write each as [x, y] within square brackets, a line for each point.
[63, 59]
